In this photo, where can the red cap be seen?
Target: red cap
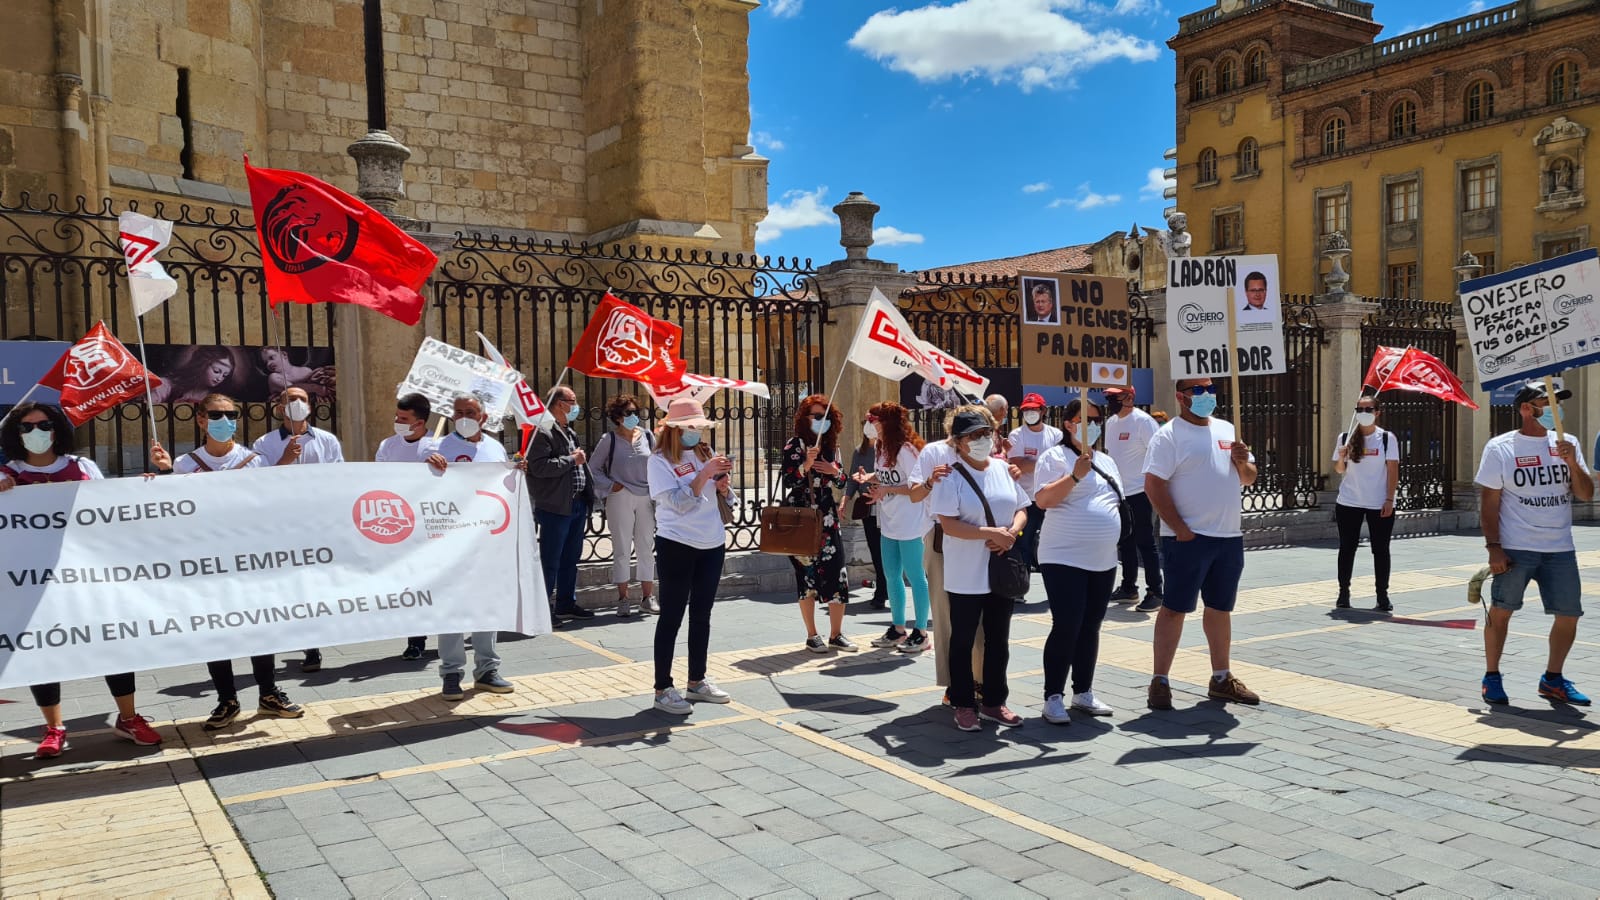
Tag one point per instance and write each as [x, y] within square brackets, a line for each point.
[1033, 401]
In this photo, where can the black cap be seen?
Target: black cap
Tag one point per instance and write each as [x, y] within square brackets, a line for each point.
[966, 423]
[1534, 390]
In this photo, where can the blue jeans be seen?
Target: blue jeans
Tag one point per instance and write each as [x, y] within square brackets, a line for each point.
[560, 547]
[904, 559]
[1205, 569]
[1556, 574]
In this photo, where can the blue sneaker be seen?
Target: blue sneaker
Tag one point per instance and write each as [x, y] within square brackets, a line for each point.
[1494, 691]
[1561, 692]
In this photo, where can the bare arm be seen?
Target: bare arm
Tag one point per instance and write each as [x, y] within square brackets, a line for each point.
[1392, 487]
[1489, 521]
[1161, 499]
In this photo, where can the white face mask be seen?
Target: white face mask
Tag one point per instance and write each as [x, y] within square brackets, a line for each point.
[38, 440]
[402, 429]
[1031, 418]
[1365, 418]
[870, 431]
[981, 448]
[297, 411]
[468, 428]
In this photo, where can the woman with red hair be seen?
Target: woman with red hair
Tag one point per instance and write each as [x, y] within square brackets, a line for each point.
[903, 521]
[810, 474]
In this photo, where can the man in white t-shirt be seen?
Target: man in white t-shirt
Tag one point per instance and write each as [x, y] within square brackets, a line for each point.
[1195, 473]
[1028, 443]
[298, 442]
[411, 443]
[1528, 481]
[1128, 433]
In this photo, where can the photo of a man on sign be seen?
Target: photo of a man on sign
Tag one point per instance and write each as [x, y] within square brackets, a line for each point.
[1041, 304]
[1257, 296]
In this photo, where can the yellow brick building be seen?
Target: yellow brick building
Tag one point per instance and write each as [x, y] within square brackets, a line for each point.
[1471, 135]
[571, 119]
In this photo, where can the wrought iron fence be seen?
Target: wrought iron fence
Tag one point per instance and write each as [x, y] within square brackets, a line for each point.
[1279, 416]
[750, 317]
[61, 270]
[1422, 425]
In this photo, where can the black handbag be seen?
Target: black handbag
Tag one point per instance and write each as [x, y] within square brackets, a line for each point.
[1008, 571]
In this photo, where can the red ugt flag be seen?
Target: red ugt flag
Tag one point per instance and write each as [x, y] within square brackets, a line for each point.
[321, 245]
[96, 374]
[1422, 373]
[623, 341]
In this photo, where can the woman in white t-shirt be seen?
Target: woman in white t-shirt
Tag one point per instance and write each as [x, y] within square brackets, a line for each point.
[688, 482]
[1369, 460]
[969, 540]
[220, 453]
[38, 442]
[1081, 494]
[902, 522]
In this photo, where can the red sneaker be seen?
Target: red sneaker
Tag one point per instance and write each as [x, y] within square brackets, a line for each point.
[1000, 714]
[137, 728]
[967, 719]
[55, 741]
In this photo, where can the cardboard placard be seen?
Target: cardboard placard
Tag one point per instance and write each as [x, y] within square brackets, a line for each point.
[1076, 329]
[441, 371]
[1199, 291]
[1534, 320]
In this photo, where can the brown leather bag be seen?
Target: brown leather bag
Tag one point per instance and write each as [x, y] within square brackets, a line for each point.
[791, 529]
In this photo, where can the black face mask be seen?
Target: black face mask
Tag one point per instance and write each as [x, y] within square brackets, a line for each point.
[1113, 405]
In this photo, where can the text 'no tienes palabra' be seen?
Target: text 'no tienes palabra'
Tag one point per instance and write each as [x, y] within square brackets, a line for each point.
[62, 636]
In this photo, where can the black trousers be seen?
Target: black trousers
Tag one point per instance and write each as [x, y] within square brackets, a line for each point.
[1078, 601]
[880, 585]
[1140, 546]
[222, 676]
[50, 694]
[1379, 529]
[688, 580]
[967, 611]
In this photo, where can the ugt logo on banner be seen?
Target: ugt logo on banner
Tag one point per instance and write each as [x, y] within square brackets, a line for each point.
[384, 517]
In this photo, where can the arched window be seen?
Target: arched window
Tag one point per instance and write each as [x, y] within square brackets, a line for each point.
[1200, 83]
[1249, 157]
[1563, 82]
[1333, 132]
[1207, 166]
[1255, 67]
[1227, 76]
[1480, 101]
[1402, 118]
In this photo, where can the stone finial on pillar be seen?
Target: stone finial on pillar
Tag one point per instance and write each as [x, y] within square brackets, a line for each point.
[1468, 268]
[1336, 249]
[380, 170]
[855, 214]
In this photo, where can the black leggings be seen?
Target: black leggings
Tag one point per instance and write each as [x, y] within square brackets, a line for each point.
[1078, 601]
[688, 578]
[222, 676]
[50, 694]
[993, 611]
[1379, 528]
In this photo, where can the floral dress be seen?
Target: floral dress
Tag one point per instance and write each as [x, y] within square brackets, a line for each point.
[822, 575]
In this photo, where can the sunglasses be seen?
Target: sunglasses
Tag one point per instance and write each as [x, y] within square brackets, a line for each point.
[216, 414]
[1370, 409]
[1202, 389]
[987, 432]
[819, 416]
[629, 412]
[46, 425]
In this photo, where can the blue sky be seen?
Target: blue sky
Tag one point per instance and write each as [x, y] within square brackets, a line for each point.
[984, 128]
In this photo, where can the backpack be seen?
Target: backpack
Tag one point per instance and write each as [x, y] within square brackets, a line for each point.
[649, 440]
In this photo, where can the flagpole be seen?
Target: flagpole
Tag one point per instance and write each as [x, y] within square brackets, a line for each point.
[19, 403]
[1555, 407]
[149, 395]
[836, 382]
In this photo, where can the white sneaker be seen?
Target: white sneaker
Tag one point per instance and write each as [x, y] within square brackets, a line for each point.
[670, 701]
[649, 605]
[708, 692]
[1055, 711]
[625, 609]
[1087, 702]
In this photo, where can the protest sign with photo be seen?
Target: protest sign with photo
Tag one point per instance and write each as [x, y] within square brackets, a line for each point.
[917, 392]
[1076, 330]
[1204, 294]
[128, 575]
[247, 374]
[440, 372]
[1534, 320]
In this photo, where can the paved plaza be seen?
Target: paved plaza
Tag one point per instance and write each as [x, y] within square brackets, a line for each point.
[1371, 768]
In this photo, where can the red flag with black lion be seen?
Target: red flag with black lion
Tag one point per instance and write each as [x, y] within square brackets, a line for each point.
[321, 245]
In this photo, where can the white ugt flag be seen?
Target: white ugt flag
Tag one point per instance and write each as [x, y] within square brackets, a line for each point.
[142, 238]
[885, 345]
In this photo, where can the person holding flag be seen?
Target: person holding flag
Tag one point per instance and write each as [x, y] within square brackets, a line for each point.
[37, 441]
[810, 474]
[1369, 459]
[1528, 480]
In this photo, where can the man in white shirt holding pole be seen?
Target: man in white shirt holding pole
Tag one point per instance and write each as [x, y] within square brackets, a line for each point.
[1128, 433]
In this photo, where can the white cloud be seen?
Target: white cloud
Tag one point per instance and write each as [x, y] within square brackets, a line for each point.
[786, 9]
[890, 236]
[1086, 199]
[1155, 183]
[797, 209]
[1029, 42]
[1477, 6]
[766, 142]
[1038, 187]
[1137, 8]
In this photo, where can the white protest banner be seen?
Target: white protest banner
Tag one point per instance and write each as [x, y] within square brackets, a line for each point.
[142, 238]
[885, 345]
[700, 388]
[526, 404]
[1534, 320]
[1199, 291]
[127, 575]
[441, 371]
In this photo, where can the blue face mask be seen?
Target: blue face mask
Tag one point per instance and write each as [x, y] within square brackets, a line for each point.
[1094, 433]
[222, 430]
[821, 426]
[1548, 418]
[573, 413]
[691, 438]
[1203, 405]
[630, 422]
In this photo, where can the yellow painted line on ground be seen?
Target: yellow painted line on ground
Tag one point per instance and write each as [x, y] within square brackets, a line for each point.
[591, 647]
[990, 808]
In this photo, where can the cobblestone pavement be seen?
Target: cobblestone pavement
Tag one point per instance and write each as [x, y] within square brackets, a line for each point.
[1371, 768]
